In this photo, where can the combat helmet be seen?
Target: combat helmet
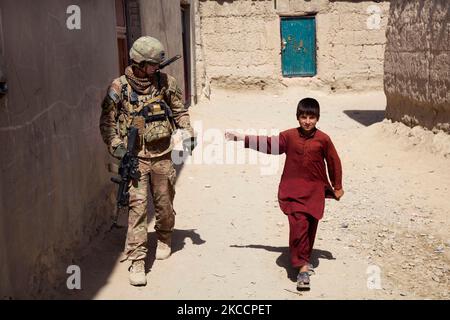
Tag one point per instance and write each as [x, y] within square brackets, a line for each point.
[147, 49]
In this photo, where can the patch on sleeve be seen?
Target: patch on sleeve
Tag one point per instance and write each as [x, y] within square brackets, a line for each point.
[114, 90]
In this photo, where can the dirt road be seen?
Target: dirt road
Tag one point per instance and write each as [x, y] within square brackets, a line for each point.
[389, 236]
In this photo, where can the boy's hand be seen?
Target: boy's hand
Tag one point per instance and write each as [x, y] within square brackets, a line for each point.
[234, 136]
[339, 193]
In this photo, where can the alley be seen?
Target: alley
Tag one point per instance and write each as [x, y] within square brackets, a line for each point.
[387, 238]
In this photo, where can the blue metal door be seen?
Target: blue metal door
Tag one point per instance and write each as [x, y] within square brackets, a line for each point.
[298, 46]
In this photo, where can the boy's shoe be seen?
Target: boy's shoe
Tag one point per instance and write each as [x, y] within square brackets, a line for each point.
[137, 273]
[163, 250]
[303, 281]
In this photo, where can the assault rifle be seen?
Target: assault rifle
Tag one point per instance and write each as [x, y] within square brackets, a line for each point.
[128, 170]
[164, 64]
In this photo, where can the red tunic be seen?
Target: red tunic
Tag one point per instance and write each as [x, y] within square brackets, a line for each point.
[304, 184]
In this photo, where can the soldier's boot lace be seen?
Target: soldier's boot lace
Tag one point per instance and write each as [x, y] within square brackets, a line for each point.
[137, 273]
[163, 250]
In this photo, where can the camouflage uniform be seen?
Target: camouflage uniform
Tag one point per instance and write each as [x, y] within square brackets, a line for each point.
[154, 153]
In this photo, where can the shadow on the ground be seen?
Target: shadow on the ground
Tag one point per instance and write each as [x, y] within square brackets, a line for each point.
[284, 260]
[178, 242]
[103, 254]
[366, 117]
[179, 237]
[96, 265]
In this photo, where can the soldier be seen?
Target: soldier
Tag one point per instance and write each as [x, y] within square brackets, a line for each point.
[144, 87]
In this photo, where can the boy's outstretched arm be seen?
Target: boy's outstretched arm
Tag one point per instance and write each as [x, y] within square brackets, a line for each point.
[269, 145]
[234, 136]
[334, 169]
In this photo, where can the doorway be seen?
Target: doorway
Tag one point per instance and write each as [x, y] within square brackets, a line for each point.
[121, 32]
[128, 29]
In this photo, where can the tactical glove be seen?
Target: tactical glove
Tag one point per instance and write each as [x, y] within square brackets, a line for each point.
[119, 152]
[189, 144]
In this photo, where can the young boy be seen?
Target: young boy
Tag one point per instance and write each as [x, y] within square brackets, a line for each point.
[304, 184]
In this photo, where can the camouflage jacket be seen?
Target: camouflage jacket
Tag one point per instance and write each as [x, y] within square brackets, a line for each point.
[118, 114]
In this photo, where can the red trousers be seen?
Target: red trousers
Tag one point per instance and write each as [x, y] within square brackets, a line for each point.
[302, 232]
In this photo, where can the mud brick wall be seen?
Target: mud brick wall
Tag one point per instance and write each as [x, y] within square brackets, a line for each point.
[55, 193]
[417, 63]
[238, 43]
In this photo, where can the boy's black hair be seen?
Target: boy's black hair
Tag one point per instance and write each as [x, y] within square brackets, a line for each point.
[308, 106]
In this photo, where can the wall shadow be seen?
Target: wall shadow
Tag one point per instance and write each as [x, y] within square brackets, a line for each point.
[98, 264]
[103, 254]
[366, 117]
[283, 260]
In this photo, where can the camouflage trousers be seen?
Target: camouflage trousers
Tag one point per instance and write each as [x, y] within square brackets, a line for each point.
[158, 177]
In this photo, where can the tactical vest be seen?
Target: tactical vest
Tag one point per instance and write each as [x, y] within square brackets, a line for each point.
[149, 114]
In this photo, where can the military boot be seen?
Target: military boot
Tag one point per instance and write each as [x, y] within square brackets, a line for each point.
[137, 273]
[163, 250]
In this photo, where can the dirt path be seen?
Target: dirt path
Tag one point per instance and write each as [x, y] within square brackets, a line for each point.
[389, 237]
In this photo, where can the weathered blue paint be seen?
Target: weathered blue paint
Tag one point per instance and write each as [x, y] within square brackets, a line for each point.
[298, 51]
